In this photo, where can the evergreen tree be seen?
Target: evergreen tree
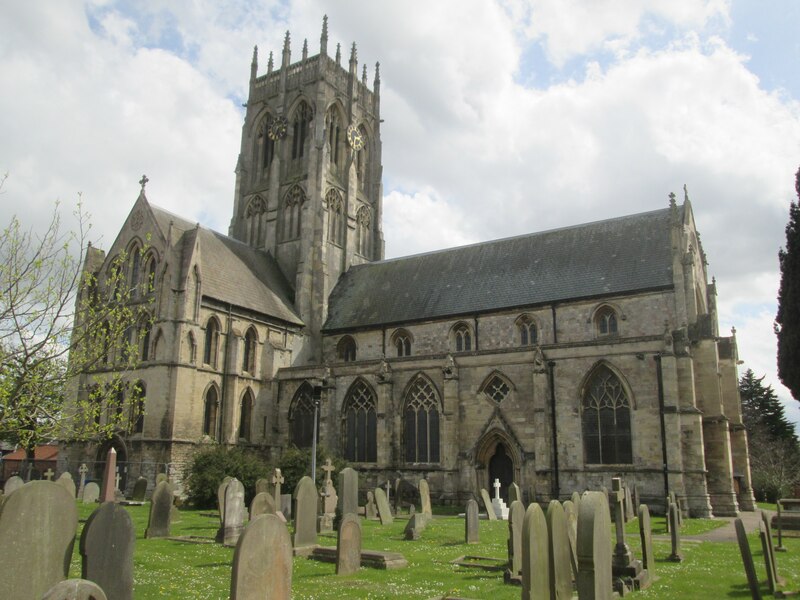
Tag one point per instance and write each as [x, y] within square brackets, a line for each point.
[787, 321]
[762, 409]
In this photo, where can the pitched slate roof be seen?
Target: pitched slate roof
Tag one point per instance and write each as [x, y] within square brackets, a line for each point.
[609, 257]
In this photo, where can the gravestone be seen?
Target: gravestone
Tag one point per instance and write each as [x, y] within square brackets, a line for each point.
[487, 504]
[263, 485]
[106, 547]
[514, 493]
[48, 475]
[262, 504]
[348, 545]
[471, 535]
[160, 509]
[416, 523]
[425, 498]
[674, 534]
[384, 513]
[594, 547]
[330, 498]
[499, 506]
[109, 488]
[371, 509]
[559, 553]
[262, 561]
[37, 527]
[765, 534]
[747, 559]
[82, 471]
[535, 555]
[646, 535]
[139, 490]
[277, 482]
[286, 506]
[348, 492]
[75, 589]
[66, 482]
[624, 565]
[305, 514]
[571, 516]
[516, 515]
[161, 477]
[635, 498]
[630, 514]
[221, 498]
[13, 483]
[91, 493]
[233, 521]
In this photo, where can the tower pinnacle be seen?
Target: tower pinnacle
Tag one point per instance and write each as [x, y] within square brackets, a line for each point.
[323, 39]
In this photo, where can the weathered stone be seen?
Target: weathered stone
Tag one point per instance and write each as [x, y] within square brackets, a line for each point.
[635, 497]
[514, 493]
[160, 510]
[765, 534]
[487, 504]
[535, 556]
[747, 560]
[329, 498]
[108, 490]
[68, 484]
[305, 513]
[263, 485]
[560, 568]
[263, 504]
[277, 482]
[348, 492]
[106, 547]
[499, 506]
[630, 513]
[13, 483]
[233, 520]
[348, 546]
[425, 498]
[674, 534]
[416, 523]
[371, 509]
[471, 531]
[91, 493]
[384, 513]
[262, 561]
[221, 498]
[75, 589]
[161, 477]
[623, 557]
[37, 527]
[83, 470]
[594, 547]
[571, 516]
[516, 515]
[139, 490]
[646, 535]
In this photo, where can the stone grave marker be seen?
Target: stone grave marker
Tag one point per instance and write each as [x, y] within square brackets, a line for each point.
[571, 516]
[348, 492]
[425, 498]
[109, 488]
[75, 589]
[487, 504]
[514, 493]
[139, 490]
[765, 534]
[630, 512]
[674, 534]
[635, 498]
[624, 564]
[646, 535]
[371, 509]
[233, 521]
[263, 485]
[83, 470]
[348, 545]
[277, 482]
[65, 480]
[37, 525]
[262, 561]
[516, 515]
[13, 483]
[106, 547]
[499, 506]
[594, 547]
[262, 504]
[330, 498]
[286, 506]
[384, 513]
[161, 477]
[416, 523]
[471, 531]
[91, 493]
[559, 553]
[305, 514]
[535, 555]
[221, 497]
[747, 560]
[48, 475]
[160, 509]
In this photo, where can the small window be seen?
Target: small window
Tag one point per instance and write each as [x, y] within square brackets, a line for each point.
[497, 389]
[210, 413]
[346, 349]
[246, 416]
[212, 343]
[249, 353]
[462, 338]
[301, 417]
[292, 213]
[528, 334]
[137, 406]
[402, 343]
[144, 340]
[149, 285]
[606, 321]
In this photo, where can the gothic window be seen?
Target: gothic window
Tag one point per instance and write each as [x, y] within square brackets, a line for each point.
[346, 349]
[157, 345]
[336, 216]
[149, 285]
[105, 333]
[528, 334]
[364, 240]
[144, 339]
[128, 347]
[255, 220]
[135, 258]
[249, 351]
[360, 424]
[335, 136]
[95, 403]
[210, 412]
[421, 422]
[137, 406]
[362, 159]
[497, 389]
[301, 416]
[292, 211]
[300, 121]
[401, 340]
[605, 320]
[606, 419]
[462, 338]
[191, 348]
[246, 415]
[211, 348]
[267, 144]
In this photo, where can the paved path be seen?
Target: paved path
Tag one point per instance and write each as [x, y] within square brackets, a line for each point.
[727, 533]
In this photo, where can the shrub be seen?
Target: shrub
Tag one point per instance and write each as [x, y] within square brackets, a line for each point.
[208, 467]
[296, 462]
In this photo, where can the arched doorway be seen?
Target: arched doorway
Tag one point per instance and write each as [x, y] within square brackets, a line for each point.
[119, 446]
[497, 457]
[501, 467]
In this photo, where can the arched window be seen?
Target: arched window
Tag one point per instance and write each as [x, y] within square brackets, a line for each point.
[421, 422]
[158, 345]
[144, 339]
[249, 353]
[496, 388]
[267, 144]
[605, 320]
[336, 216]
[335, 136]
[292, 210]
[606, 419]
[346, 349]
[255, 221]
[137, 406]
[211, 348]
[246, 416]
[301, 416]
[360, 424]
[300, 121]
[402, 342]
[462, 338]
[362, 159]
[149, 285]
[135, 258]
[191, 348]
[105, 333]
[210, 413]
[528, 334]
[128, 344]
[364, 240]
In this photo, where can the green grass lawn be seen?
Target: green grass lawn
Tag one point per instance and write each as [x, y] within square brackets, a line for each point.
[173, 569]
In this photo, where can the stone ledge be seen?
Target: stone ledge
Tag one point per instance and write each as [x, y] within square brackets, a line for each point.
[369, 558]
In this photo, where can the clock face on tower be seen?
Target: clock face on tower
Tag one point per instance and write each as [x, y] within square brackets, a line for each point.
[354, 138]
[277, 128]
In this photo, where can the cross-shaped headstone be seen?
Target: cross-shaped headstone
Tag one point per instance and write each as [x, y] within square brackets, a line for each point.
[49, 474]
[277, 479]
[117, 477]
[622, 552]
[328, 468]
[143, 181]
[496, 486]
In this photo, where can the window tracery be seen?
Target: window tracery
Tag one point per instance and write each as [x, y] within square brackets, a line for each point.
[301, 416]
[360, 424]
[606, 419]
[421, 422]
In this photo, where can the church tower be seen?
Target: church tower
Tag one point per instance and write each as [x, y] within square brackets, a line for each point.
[308, 178]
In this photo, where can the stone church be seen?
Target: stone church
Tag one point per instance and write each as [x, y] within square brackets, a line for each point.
[557, 359]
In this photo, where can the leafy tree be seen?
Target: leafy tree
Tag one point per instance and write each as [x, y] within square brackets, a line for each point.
[761, 408]
[787, 321]
[774, 465]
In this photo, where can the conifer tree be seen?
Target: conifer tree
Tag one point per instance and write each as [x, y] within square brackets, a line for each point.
[762, 409]
[787, 321]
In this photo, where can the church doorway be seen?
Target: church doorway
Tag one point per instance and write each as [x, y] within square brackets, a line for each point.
[501, 467]
[497, 457]
[119, 446]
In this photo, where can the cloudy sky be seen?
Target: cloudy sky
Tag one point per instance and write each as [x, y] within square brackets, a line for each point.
[501, 117]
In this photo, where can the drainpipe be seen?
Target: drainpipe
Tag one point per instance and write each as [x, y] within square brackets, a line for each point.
[555, 328]
[551, 375]
[660, 379]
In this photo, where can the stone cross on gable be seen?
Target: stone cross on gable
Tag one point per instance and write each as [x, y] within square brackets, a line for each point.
[277, 479]
[49, 474]
[496, 486]
[143, 181]
[328, 468]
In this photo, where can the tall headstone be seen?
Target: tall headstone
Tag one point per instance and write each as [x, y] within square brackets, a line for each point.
[499, 506]
[384, 512]
[233, 522]
[37, 526]
[674, 534]
[83, 470]
[558, 552]
[416, 523]
[305, 513]
[139, 490]
[535, 555]
[594, 547]
[487, 504]
[221, 498]
[425, 498]
[765, 534]
[471, 532]
[348, 492]
[330, 498]
[623, 556]
[635, 497]
[516, 515]
[262, 561]
[108, 490]
[630, 513]
[65, 480]
[163, 477]
[571, 516]
[747, 560]
[91, 493]
[371, 509]
[262, 504]
[160, 510]
[348, 545]
[646, 535]
[514, 493]
[75, 589]
[107, 544]
[263, 485]
[13, 483]
[277, 482]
